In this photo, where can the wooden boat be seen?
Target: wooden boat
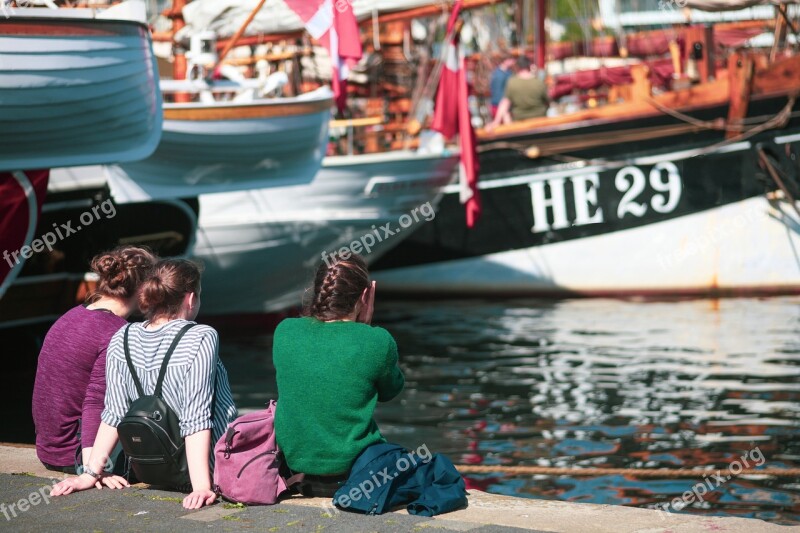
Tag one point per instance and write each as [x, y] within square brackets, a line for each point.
[268, 205]
[77, 87]
[228, 146]
[626, 198]
[689, 192]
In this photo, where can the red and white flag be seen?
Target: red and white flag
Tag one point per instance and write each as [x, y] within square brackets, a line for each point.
[451, 116]
[333, 24]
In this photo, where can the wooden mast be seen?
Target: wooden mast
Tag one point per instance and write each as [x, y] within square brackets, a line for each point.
[178, 51]
[396, 16]
[238, 35]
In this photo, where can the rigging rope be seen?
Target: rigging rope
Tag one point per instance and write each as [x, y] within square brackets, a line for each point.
[651, 473]
[775, 175]
[779, 120]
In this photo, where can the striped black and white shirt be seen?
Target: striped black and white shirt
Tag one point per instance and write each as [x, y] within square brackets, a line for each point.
[191, 381]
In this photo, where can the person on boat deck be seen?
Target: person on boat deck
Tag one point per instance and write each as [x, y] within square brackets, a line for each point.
[70, 379]
[195, 382]
[498, 81]
[332, 367]
[525, 96]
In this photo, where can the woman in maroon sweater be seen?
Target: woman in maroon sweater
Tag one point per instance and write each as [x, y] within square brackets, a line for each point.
[70, 377]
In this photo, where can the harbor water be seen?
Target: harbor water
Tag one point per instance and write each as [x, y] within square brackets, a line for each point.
[591, 383]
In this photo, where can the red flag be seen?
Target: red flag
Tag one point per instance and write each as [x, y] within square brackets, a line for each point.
[333, 24]
[21, 197]
[452, 116]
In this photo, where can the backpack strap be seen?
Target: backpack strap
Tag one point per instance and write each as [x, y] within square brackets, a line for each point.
[295, 480]
[136, 381]
[163, 371]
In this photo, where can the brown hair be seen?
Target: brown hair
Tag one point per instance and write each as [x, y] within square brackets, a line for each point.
[338, 285]
[122, 271]
[162, 293]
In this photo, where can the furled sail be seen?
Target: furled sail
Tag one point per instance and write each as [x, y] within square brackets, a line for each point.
[225, 16]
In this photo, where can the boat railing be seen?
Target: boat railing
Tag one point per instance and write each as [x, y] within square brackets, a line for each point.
[246, 89]
[351, 123]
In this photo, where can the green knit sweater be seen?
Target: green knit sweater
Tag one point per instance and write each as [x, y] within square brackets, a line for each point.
[330, 376]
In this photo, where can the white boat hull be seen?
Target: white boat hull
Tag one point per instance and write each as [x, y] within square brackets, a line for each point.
[750, 246]
[75, 91]
[260, 248]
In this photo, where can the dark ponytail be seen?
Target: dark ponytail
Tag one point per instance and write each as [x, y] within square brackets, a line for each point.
[338, 285]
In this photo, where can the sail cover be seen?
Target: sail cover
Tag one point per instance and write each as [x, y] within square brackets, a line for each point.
[225, 16]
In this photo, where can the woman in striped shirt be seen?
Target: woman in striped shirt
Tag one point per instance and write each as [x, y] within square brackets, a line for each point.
[170, 299]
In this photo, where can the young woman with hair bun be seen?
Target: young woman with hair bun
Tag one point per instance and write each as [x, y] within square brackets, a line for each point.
[70, 381]
[195, 382]
[332, 368]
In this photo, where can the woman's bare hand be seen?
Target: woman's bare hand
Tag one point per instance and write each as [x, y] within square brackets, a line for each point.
[198, 499]
[74, 484]
[114, 482]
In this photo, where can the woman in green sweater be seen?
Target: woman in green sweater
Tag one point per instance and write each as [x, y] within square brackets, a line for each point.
[332, 368]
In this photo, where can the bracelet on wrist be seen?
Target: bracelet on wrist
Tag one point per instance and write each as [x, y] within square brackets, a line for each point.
[89, 471]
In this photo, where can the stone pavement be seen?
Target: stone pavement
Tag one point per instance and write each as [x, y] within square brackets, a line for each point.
[25, 484]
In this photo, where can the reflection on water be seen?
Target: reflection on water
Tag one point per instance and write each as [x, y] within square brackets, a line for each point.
[592, 383]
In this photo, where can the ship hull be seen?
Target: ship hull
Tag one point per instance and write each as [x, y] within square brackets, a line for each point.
[76, 91]
[659, 214]
[744, 248]
[222, 147]
[260, 248]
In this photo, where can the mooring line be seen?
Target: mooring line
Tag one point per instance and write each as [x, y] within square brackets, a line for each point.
[633, 472]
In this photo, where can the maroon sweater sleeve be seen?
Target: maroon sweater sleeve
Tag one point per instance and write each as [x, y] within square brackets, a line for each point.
[93, 401]
[70, 382]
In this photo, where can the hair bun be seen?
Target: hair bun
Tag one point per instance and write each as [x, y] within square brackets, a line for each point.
[152, 294]
[107, 265]
[122, 270]
[163, 292]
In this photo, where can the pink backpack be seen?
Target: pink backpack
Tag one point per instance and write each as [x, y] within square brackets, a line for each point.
[247, 461]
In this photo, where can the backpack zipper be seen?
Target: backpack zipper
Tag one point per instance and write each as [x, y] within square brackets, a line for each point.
[164, 431]
[253, 459]
[148, 460]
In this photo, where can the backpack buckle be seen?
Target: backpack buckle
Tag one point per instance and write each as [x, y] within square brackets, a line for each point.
[157, 416]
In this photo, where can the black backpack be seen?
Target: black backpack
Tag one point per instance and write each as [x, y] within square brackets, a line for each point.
[150, 432]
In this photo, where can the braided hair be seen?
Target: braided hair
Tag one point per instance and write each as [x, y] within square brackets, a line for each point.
[338, 285]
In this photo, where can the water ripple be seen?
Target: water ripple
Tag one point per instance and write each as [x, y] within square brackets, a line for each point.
[602, 383]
